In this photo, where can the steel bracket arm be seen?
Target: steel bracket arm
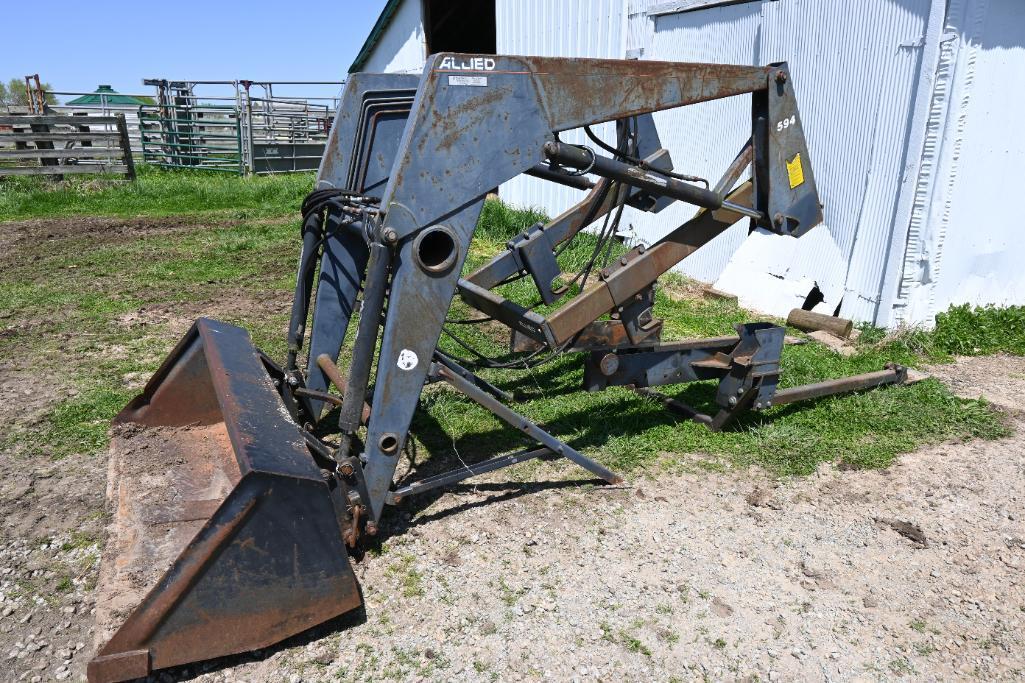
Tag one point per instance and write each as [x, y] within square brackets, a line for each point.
[475, 123]
[480, 121]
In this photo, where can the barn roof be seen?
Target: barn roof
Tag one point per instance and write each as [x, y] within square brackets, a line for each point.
[390, 8]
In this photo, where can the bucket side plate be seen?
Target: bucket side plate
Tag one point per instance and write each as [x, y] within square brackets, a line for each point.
[225, 536]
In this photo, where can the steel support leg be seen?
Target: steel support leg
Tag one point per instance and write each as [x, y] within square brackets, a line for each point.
[516, 420]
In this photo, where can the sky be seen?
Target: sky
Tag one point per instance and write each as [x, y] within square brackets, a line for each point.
[118, 42]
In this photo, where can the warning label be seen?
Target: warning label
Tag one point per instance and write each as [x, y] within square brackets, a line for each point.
[796, 172]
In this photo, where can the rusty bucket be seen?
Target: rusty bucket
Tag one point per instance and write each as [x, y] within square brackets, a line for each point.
[226, 536]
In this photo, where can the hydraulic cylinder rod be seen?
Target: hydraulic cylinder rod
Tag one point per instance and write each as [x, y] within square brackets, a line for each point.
[584, 159]
[363, 348]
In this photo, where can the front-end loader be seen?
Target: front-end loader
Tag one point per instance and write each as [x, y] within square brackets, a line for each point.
[242, 484]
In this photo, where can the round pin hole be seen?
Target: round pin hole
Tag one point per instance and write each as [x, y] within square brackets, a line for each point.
[435, 249]
[388, 443]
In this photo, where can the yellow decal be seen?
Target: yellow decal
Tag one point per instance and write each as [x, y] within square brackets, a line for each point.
[796, 172]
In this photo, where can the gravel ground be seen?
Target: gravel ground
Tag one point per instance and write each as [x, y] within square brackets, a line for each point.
[913, 572]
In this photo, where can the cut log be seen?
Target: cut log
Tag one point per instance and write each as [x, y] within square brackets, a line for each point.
[810, 321]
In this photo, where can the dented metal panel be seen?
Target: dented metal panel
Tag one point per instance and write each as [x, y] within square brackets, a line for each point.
[962, 246]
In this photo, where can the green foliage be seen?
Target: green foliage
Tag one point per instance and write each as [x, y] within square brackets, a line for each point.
[967, 331]
[13, 93]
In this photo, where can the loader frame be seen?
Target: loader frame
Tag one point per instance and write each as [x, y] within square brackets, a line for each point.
[469, 124]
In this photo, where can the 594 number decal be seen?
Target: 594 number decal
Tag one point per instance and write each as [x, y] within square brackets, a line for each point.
[786, 123]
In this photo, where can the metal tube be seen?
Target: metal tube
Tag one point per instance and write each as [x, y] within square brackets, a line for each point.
[511, 417]
[365, 344]
[453, 476]
[585, 159]
[332, 372]
[898, 374]
[742, 210]
[546, 172]
[312, 232]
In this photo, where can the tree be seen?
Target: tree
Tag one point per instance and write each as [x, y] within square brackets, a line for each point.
[13, 93]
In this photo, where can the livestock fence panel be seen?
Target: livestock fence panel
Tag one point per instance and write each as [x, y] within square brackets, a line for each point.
[60, 144]
[235, 126]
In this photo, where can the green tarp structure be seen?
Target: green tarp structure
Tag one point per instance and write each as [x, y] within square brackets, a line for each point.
[104, 94]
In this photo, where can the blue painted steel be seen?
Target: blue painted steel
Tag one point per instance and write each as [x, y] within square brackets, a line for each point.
[341, 269]
[417, 305]
[334, 166]
[360, 153]
[495, 130]
[475, 123]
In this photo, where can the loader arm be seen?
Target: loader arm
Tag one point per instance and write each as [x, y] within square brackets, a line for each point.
[477, 122]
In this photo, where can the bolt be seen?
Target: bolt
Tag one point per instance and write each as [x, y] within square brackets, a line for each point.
[732, 401]
[372, 528]
[758, 406]
[740, 391]
[768, 404]
[641, 249]
[778, 220]
[622, 261]
[390, 236]
[781, 76]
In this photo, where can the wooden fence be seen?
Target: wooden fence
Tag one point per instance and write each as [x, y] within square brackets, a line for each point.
[62, 145]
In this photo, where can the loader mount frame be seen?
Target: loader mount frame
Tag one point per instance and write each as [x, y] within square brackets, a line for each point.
[436, 146]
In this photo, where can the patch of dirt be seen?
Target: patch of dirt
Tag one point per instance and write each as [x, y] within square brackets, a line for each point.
[230, 304]
[999, 379]
[104, 229]
[109, 229]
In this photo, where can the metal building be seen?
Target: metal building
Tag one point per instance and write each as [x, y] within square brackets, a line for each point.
[909, 107]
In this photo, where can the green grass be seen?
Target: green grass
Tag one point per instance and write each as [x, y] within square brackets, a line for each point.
[968, 331]
[156, 192]
[67, 299]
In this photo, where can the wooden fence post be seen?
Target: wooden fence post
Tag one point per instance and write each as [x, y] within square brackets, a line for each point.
[126, 145]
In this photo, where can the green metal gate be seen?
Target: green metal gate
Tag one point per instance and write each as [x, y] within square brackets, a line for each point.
[186, 133]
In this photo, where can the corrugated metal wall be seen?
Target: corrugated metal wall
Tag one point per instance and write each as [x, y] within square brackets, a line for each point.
[558, 28]
[703, 138]
[856, 76]
[964, 242]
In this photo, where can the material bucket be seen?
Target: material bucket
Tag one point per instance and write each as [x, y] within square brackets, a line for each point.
[226, 536]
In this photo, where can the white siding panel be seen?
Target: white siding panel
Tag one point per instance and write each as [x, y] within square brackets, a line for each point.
[640, 28]
[402, 47]
[703, 138]
[969, 250]
[558, 28]
[856, 73]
